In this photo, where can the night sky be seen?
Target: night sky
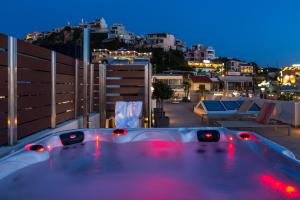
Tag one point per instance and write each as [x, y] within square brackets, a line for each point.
[265, 31]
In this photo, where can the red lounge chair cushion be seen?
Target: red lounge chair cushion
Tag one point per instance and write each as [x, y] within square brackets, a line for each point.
[265, 113]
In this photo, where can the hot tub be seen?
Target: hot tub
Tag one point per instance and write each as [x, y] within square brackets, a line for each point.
[186, 163]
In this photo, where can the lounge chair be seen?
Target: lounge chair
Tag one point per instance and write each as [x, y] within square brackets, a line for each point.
[262, 120]
[240, 113]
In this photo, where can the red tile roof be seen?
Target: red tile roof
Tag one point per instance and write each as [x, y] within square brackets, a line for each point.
[201, 79]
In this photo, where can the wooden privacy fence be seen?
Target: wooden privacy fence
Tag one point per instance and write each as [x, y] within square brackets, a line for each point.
[122, 83]
[39, 89]
[3, 89]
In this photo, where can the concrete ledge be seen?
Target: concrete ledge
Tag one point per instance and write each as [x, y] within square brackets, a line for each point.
[94, 122]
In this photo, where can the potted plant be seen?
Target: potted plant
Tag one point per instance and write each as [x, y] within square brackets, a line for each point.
[161, 92]
[186, 87]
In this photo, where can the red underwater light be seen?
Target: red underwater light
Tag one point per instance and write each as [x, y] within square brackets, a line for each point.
[72, 136]
[119, 132]
[280, 186]
[35, 147]
[208, 135]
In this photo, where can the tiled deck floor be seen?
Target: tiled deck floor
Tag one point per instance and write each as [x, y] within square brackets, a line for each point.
[182, 115]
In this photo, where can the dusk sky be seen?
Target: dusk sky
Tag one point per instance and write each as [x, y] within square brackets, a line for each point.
[264, 31]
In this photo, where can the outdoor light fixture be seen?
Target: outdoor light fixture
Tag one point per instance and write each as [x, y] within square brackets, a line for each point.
[245, 136]
[264, 84]
[35, 147]
[208, 135]
[72, 138]
[119, 132]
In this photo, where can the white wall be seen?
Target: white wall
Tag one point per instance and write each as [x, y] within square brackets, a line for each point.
[285, 111]
[195, 86]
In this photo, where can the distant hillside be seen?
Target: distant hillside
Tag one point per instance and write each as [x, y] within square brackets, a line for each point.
[69, 41]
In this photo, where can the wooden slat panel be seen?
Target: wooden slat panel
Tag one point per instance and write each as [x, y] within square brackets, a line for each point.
[64, 97]
[62, 78]
[33, 50]
[3, 105]
[61, 58]
[125, 82]
[110, 106]
[3, 120]
[96, 108]
[33, 63]
[126, 67]
[3, 89]
[126, 90]
[3, 137]
[126, 74]
[80, 72]
[64, 117]
[3, 41]
[33, 101]
[64, 107]
[33, 114]
[110, 109]
[80, 111]
[65, 69]
[80, 93]
[33, 89]
[65, 88]
[33, 127]
[110, 114]
[125, 98]
[3, 58]
[96, 74]
[3, 74]
[30, 75]
[96, 93]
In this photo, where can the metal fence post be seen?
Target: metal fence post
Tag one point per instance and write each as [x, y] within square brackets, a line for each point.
[12, 91]
[102, 94]
[147, 94]
[91, 88]
[53, 87]
[76, 88]
[150, 95]
[86, 62]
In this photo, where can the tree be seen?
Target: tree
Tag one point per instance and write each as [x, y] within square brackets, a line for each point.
[256, 67]
[68, 41]
[161, 92]
[168, 60]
